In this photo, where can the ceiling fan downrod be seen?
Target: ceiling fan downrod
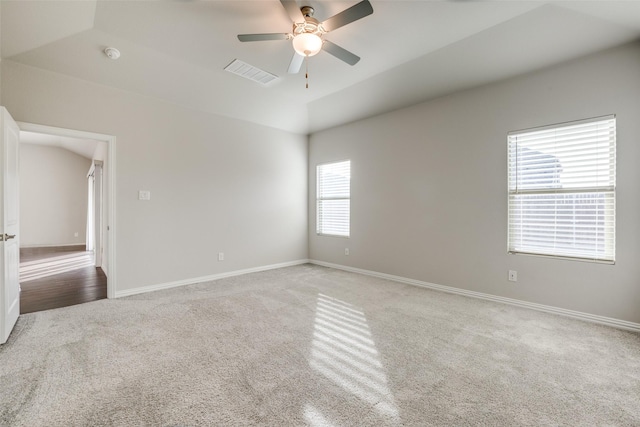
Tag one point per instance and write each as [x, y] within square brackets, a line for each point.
[307, 11]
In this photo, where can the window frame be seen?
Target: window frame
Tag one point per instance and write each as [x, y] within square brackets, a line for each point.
[320, 199]
[610, 242]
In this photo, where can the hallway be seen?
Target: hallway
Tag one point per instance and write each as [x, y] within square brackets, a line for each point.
[58, 277]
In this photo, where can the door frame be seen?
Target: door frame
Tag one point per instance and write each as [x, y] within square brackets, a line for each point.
[111, 187]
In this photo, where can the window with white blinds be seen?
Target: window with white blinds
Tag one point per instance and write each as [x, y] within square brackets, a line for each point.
[333, 198]
[562, 183]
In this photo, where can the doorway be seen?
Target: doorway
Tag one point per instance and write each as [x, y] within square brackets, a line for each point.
[59, 277]
[68, 252]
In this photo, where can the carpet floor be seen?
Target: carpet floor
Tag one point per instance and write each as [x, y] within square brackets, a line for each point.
[309, 345]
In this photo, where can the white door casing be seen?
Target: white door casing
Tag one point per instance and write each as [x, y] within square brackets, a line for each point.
[94, 212]
[10, 222]
[97, 212]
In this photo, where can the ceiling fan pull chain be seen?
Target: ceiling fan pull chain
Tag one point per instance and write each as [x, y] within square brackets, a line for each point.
[306, 71]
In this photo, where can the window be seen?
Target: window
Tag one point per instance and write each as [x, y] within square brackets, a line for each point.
[562, 190]
[333, 198]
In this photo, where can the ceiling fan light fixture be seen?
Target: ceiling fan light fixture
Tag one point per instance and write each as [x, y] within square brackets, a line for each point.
[307, 44]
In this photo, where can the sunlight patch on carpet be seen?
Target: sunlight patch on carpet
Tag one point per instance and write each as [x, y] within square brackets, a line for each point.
[314, 417]
[344, 352]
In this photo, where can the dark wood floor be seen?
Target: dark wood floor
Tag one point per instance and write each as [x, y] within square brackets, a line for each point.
[58, 277]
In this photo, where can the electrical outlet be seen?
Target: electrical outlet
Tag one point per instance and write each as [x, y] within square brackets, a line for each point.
[513, 276]
[75, 234]
[220, 256]
[144, 195]
[346, 251]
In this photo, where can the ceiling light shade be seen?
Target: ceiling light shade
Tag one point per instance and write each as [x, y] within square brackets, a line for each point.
[307, 44]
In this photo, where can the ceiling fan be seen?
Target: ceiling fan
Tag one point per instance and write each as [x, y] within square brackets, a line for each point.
[308, 33]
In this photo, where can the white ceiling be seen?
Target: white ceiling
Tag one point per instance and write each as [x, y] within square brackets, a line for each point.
[83, 147]
[411, 50]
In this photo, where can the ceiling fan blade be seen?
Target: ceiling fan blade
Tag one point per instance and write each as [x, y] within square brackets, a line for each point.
[347, 16]
[295, 64]
[262, 37]
[340, 53]
[293, 10]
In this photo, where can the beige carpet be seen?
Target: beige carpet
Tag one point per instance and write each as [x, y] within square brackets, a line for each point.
[314, 346]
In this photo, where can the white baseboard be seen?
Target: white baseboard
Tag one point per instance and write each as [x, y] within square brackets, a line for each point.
[52, 246]
[608, 321]
[192, 281]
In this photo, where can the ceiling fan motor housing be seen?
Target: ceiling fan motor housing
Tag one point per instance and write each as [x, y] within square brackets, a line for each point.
[310, 24]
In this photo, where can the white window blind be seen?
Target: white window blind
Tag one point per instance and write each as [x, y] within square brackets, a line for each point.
[333, 198]
[562, 190]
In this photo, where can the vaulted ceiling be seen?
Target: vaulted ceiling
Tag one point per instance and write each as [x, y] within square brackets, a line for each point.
[411, 50]
[82, 147]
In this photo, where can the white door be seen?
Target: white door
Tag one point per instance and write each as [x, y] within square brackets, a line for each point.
[9, 213]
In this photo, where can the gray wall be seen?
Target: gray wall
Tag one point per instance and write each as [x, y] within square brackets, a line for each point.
[429, 187]
[53, 196]
[217, 185]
